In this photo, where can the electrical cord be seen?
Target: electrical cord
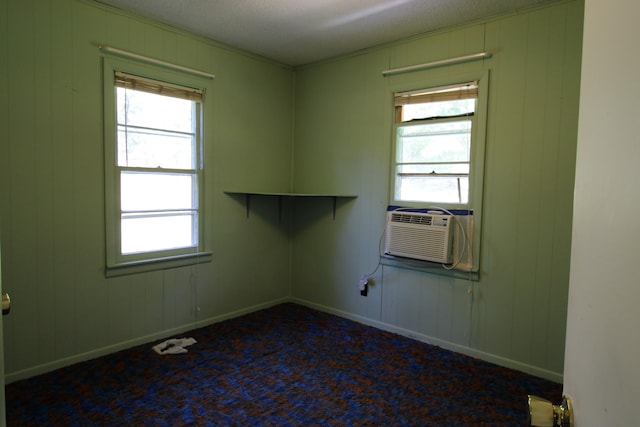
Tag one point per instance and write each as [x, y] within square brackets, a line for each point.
[365, 277]
[466, 242]
[465, 239]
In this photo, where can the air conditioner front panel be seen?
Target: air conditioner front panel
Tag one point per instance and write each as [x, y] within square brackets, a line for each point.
[419, 236]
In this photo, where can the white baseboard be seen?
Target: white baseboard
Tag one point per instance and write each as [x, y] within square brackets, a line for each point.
[488, 357]
[61, 363]
[498, 360]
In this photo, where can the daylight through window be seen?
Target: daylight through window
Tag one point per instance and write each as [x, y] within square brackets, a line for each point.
[433, 137]
[157, 167]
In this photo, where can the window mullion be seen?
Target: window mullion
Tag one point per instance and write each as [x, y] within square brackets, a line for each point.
[128, 127]
[159, 170]
[431, 163]
[433, 174]
[158, 212]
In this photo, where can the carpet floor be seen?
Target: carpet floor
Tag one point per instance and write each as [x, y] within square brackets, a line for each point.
[287, 365]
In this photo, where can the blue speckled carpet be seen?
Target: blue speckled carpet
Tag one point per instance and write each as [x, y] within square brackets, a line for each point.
[284, 366]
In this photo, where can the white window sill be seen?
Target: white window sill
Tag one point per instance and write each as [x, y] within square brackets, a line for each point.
[157, 264]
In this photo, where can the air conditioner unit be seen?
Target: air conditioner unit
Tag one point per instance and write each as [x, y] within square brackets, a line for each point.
[423, 236]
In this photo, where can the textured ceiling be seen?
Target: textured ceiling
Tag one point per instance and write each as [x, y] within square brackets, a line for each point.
[297, 32]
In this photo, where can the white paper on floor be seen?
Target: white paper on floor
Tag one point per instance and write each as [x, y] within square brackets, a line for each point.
[174, 346]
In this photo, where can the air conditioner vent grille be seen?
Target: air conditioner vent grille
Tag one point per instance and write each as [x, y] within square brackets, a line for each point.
[420, 236]
[411, 219]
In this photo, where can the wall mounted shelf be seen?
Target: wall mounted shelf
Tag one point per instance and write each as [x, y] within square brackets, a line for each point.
[281, 196]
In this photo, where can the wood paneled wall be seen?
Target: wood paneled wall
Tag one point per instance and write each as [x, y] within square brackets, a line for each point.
[52, 186]
[515, 314]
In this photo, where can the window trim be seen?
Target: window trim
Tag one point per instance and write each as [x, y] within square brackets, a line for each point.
[478, 134]
[117, 264]
[477, 155]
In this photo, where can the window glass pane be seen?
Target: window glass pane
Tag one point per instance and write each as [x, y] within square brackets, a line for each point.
[136, 108]
[153, 148]
[144, 233]
[421, 183]
[156, 191]
[434, 142]
[437, 109]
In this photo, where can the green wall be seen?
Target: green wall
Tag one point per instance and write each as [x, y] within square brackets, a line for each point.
[338, 113]
[515, 314]
[52, 186]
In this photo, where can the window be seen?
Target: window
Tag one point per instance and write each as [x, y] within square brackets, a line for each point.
[433, 144]
[154, 168]
[438, 157]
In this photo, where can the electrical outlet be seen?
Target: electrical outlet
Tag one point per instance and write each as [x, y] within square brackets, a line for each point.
[363, 285]
[363, 282]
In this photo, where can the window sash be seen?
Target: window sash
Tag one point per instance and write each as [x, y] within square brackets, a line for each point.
[126, 156]
[186, 215]
[451, 189]
[156, 232]
[431, 173]
[156, 193]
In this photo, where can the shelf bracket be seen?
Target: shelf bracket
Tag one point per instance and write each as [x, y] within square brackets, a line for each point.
[247, 201]
[335, 202]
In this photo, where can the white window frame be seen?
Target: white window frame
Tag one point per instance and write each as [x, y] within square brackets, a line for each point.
[116, 262]
[476, 155]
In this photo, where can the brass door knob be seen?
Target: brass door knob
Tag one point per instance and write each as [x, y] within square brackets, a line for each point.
[543, 413]
[6, 304]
